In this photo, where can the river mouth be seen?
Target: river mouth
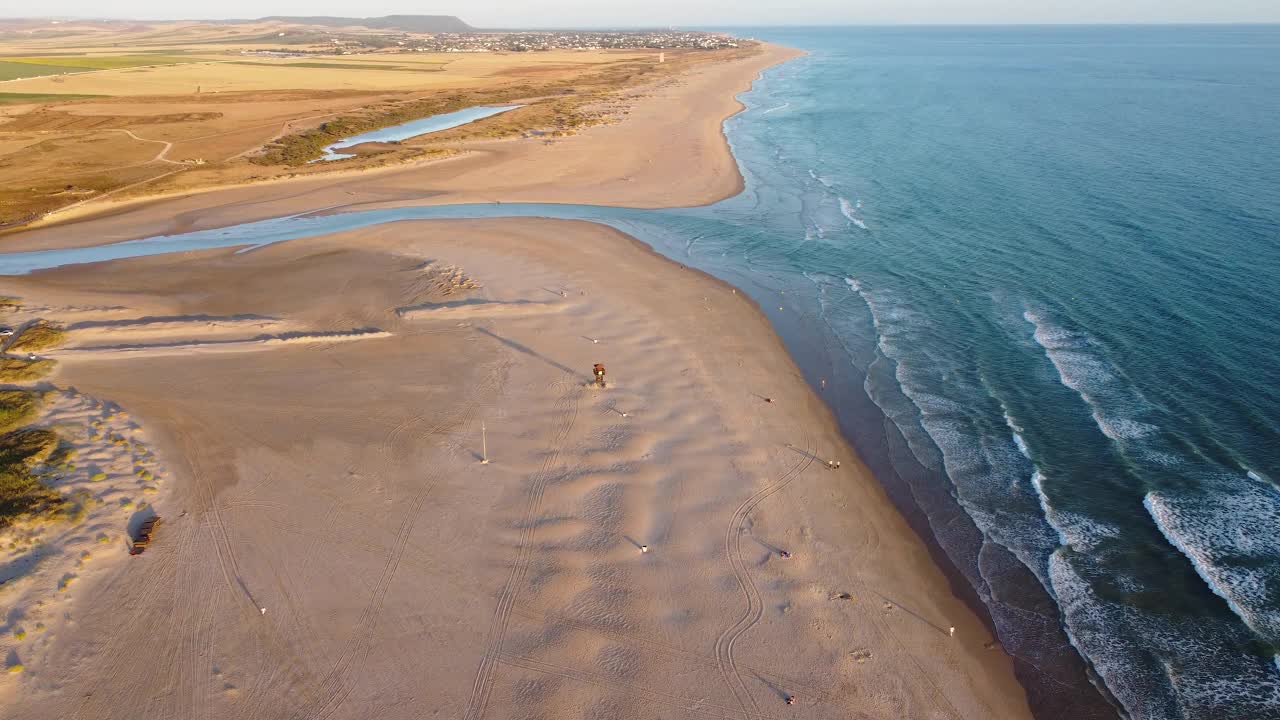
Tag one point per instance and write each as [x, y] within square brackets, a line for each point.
[412, 129]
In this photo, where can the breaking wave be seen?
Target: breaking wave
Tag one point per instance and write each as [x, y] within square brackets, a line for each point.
[1082, 366]
[990, 472]
[1229, 534]
[1209, 679]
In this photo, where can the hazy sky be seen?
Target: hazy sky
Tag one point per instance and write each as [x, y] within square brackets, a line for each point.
[534, 13]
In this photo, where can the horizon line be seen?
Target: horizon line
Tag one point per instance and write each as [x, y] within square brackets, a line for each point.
[905, 23]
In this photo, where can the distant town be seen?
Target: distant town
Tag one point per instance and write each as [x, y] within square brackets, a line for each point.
[515, 41]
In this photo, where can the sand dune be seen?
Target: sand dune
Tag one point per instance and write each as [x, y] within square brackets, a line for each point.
[174, 323]
[113, 475]
[340, 487]
[185, 347]
[479, 309]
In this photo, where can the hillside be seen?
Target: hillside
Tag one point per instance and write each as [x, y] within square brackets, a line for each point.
[404, 23]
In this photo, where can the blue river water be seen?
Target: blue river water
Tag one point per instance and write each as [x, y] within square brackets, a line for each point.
[1036, 272]
[413, 129]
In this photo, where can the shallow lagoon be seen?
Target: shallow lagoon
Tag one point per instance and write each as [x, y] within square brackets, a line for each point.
[414, 128]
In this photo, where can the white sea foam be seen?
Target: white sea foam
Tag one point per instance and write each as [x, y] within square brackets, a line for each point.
[1157, 666]
[1081, 366]
[1037, 482]
[1217, 524]
[850, 213]
[814, 174]
[1256, 476]
[989, 473]
[1017, 434]
[1229, 534]
[783, 106]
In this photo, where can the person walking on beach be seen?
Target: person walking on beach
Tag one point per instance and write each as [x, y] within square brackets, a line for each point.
[598, 370]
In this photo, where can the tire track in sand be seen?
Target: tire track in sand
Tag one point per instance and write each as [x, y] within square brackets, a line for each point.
[482, 687]
[755, 606]
[335, 690]
[698, 706]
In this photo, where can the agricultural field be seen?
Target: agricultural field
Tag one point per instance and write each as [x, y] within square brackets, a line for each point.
[189, 106]
[8, 98]
[100, 62]
[19, 70]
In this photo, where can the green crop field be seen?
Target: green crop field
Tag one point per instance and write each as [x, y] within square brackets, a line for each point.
[104, 62]
[21, 98]
[14, 70]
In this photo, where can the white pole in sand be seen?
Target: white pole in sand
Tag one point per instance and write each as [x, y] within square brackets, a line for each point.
[484, 445]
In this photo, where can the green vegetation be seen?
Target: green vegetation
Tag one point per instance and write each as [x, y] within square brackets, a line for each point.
[570, 96]
[41, 335]
[22, 495]
[104, 62]
[23, 98]
[10, 70]
[14, 369]
[29, 67]
[27, 447]
[9, 304]
[17, 408]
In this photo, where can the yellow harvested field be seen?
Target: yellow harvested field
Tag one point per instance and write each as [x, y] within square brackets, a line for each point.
[227, 77]
[439, 71]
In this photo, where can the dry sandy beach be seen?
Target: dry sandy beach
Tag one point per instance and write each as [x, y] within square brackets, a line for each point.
[339, 486]
[307, 418]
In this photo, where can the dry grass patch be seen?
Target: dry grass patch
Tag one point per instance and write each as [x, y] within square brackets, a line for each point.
[41, 335]
[22, 495]
[15, 370]
[17, 408]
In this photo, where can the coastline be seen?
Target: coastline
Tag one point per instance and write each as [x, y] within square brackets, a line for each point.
[700, 467]
[217, 215]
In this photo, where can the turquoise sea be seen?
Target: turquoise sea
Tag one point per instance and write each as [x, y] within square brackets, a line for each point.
[1036, 271]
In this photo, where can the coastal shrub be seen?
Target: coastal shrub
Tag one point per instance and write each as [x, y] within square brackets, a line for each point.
[302, 147]
[27, 448]
[14, 369]
[41, 335]
[17, 408]
[22, 495]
